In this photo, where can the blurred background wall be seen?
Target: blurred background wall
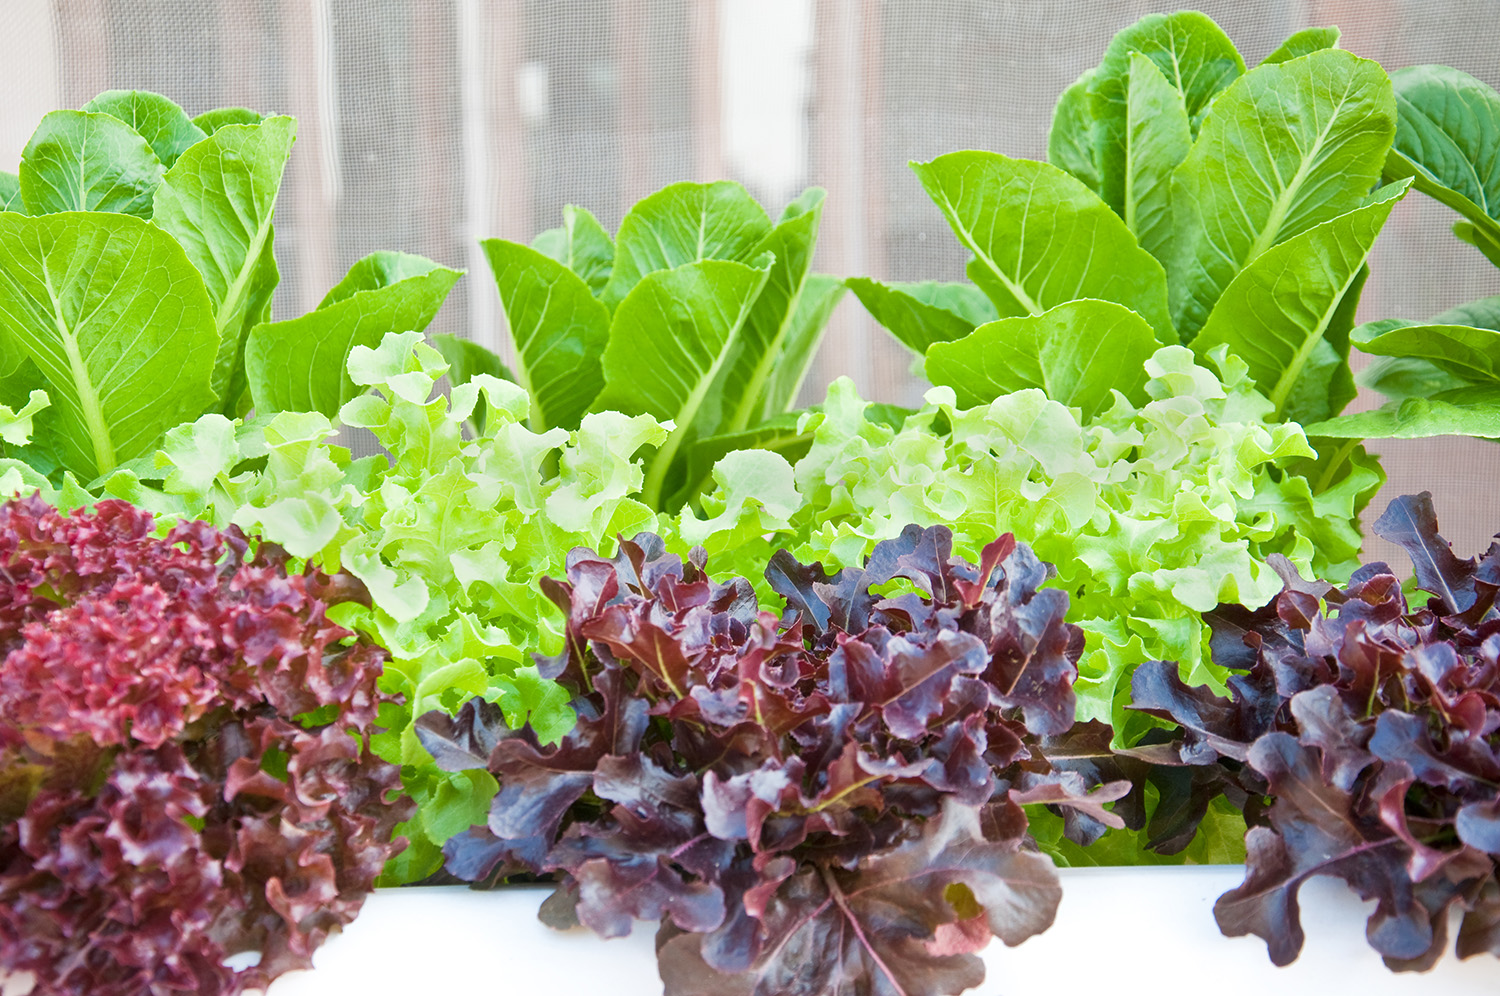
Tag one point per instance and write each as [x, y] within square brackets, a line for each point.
[427, 124]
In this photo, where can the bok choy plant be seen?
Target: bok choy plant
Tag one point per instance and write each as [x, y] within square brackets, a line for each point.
[136, 275]
[1188, 200]
[701, 312]
[1443, 375]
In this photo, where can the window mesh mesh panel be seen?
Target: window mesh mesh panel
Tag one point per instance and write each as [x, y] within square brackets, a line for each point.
[426, 124]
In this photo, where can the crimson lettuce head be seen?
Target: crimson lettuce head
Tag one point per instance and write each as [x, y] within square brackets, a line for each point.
[184, 762]
[1372, 725]
[830, 800]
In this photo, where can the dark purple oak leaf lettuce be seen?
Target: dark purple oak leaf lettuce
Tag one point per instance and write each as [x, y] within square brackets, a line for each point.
[184, 762]
[825, 802]
[1373, 727]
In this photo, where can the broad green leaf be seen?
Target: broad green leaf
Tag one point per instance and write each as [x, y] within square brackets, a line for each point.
[1485, 238]
[467, 359]
[1157, 139]
[1276, 311]
[1195, 58]
[820, 295]
[80, 161]
[1304, 42]
[117, 320]
[1285, 148]
[558, 328]
[1448, 140]
[212, 121]
[1468, 411]
[299, 365]
[921, 314]
[1472, 354]
[669, 339]
[218, 201]
[771, 337]
[582, 245]
[1481, 313]
[165, 126]
[1040, 237]
[1070, 141]
[1331, 366]
[10, 193]
[1402, 377]
[685, 223]
[1078, 353]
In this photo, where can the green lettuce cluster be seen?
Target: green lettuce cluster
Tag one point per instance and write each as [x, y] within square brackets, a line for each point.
[1152, 514]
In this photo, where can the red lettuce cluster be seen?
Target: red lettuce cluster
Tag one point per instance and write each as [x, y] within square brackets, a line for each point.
[1373, 728]
[184, 768]
[825, 802]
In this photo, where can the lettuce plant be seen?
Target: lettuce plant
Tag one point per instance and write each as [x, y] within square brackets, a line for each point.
[1153, 514]
[701, 313]
[136, 274]
[449, 533]
[1360, 739]
[1442, 375]
[1184, 196]
[830, 801]
[185, 770]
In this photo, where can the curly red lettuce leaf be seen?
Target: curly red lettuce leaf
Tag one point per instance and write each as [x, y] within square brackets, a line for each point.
[1373, 727]
[184, 764]
[831, 798]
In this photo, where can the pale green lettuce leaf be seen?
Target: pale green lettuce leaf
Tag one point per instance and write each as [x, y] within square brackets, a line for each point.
[15, 425]
[299, 364]
[920, 314]
[582, 245]
[1282, 150]
[82, 161]
[116, 318]
[1275, 312]
[558, 328]
[1301, 43]
[466, 360]
[1079, 353]
[217, 200]
[1040, 237]
[164, 125]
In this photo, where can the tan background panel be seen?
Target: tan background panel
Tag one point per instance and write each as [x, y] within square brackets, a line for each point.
[426, 124]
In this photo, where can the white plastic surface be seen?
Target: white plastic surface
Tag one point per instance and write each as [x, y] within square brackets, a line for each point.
[1122, 931]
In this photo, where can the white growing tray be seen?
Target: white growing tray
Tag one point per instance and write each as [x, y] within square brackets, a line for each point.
[1119, 931]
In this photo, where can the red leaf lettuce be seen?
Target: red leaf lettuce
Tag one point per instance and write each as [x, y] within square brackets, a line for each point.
[184, 763]
[830, 801]
[1372, 726]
